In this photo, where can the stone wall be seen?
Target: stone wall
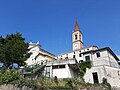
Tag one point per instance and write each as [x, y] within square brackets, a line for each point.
[16, 87]
[13, 87]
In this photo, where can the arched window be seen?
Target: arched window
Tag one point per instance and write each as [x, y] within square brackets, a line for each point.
[75, 37]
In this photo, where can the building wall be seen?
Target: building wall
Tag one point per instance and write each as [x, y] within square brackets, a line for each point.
[113, 61]
[106, 65]
[102, 60]
[105, 59]
[89, 77]
[111, 74]
[66, 72]
[76, 53]
[37, 55]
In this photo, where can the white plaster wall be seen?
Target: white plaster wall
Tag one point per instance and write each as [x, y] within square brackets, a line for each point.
[70, 54]
[63, 72]
[113, 61]
[89, 77]
[102, 60]
[35, 50]
[111, 74]
[105, 59]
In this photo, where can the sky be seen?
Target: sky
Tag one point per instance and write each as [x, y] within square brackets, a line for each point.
[51, 22]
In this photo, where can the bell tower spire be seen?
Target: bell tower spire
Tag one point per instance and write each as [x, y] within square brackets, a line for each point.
[77, 37]
[76, 26]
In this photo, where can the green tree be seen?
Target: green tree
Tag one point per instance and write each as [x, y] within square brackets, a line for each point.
[14, 50]
[2, 42]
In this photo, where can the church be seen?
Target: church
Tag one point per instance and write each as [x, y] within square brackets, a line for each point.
[103, 60]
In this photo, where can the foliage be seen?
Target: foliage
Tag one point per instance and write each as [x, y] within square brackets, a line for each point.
[106, 84]
[83, 66]
[9, 76]
[2, 70]
[69, 83]
[28, 69]
[13, 49]
[42, 83]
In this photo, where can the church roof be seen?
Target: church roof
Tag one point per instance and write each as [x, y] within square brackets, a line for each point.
[76, 27]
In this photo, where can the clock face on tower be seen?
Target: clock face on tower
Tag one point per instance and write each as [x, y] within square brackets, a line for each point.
[75, 45]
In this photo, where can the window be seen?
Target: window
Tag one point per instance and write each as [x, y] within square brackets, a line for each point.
[62, 66]
[80, 61]
[80, 37]
[73, 56]
[66, 57]
[75, 37]
[80, 55]
[58, 66]
[47, 71]
[98, 54]
[87, 57]
[55, 67]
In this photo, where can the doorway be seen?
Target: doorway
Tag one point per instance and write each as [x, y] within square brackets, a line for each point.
[95, 77]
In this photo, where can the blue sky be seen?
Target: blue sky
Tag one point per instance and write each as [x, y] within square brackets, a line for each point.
[51, 22]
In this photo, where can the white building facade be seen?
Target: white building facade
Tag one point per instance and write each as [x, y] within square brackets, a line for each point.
[104, 61]
[38, 55]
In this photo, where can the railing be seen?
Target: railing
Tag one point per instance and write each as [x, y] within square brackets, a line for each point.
[32, 69]
[64, 61]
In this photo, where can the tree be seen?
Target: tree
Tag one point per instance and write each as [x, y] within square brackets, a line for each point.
[2, 42]
[13, 49]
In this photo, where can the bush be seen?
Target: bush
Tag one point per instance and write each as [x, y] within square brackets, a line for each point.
[9, 76]
[106, 84]
[83, 66]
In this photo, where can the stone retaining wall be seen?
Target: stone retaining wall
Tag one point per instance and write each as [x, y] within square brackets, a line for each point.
[16, 87]
[13, 87]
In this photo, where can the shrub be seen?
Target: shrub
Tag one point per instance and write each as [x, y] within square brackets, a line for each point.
[106, 84]
[83, 66]
[9, 76]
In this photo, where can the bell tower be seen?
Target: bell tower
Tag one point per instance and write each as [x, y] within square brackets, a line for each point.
[77, 42]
